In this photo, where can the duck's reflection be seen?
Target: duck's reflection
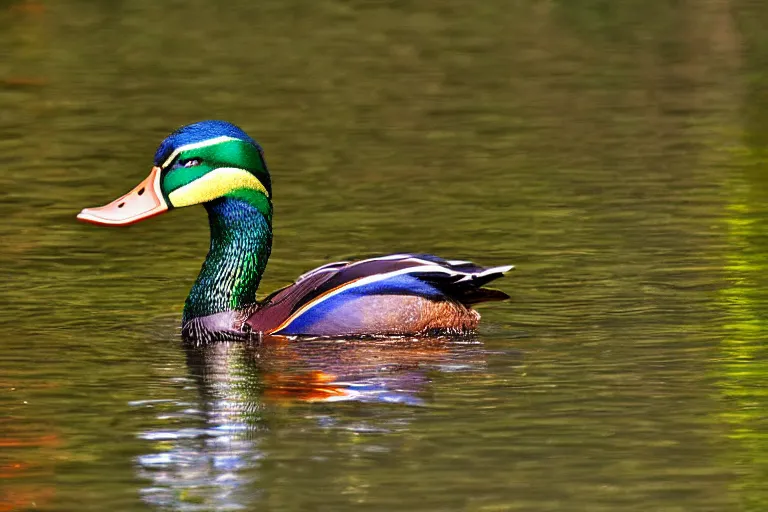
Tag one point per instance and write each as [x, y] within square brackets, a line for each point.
[212, 461]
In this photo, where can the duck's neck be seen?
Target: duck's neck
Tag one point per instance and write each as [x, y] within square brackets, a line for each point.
[241, 240]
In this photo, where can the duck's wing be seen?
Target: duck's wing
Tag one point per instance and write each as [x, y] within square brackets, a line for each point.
[326, 290]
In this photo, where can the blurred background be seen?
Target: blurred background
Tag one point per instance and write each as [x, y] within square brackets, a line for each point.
[614, 151]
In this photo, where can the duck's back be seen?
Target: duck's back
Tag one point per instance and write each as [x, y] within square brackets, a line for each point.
[391, 295]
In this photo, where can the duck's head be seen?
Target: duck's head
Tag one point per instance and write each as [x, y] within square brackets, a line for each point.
[197, 164]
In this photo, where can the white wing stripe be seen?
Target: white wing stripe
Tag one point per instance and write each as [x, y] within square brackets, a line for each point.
[496, 270]
[196, 145]
[323, 268]
[487, 272]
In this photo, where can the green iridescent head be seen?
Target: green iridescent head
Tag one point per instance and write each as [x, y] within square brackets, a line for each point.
[209, 160]
[197, 164]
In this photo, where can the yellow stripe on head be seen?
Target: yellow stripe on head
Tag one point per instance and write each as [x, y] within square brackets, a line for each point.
[214, 185]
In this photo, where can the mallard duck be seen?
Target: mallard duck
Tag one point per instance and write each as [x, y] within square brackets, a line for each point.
[216, 164]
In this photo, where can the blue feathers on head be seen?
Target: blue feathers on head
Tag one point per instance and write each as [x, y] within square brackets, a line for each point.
[198, 132]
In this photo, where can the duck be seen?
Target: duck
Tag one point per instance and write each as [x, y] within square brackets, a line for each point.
[219, 166]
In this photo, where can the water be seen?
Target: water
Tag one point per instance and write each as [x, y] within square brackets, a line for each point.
[615, 152]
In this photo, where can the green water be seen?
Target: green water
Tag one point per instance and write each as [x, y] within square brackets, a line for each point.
[616, 152]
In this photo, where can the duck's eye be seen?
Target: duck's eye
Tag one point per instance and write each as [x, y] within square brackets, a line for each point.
[191, 162]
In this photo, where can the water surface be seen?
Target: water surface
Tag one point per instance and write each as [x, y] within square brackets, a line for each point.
[615, 152]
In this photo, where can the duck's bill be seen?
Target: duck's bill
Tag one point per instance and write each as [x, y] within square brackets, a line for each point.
[143, 202]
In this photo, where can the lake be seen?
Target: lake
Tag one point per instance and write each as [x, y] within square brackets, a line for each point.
[615, 152]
